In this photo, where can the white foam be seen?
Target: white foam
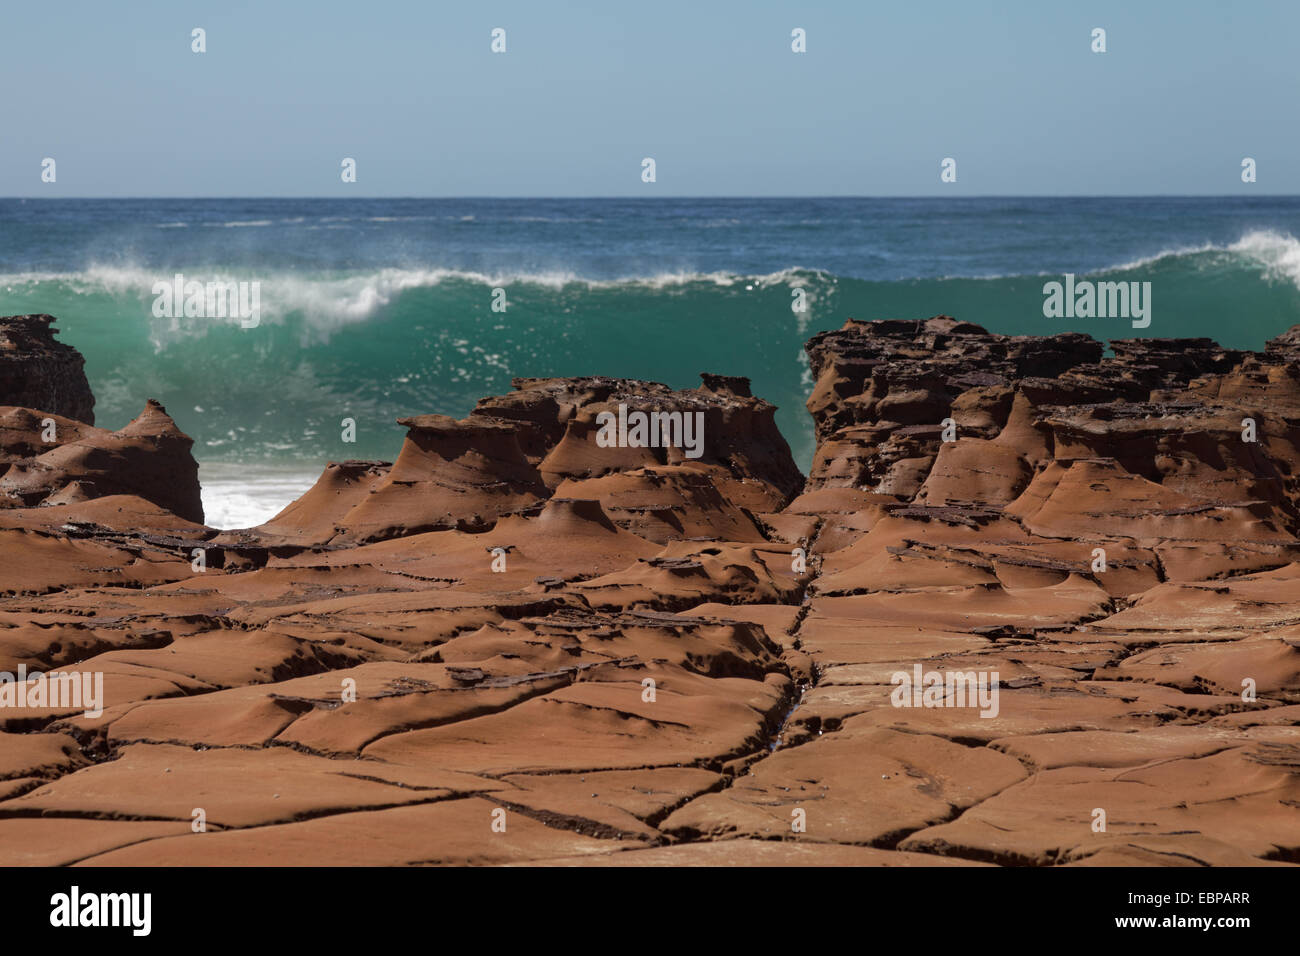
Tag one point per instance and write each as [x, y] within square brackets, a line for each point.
[247, 495]
[1278, 253]
[331, 302]
[1143, 261]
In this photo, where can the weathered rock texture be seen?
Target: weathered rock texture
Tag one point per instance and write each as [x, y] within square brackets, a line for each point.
[48, 460]
[632, 656]
[38, 372]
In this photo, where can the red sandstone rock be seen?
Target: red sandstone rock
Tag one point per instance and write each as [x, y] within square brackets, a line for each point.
[632, 656]
[49, 460]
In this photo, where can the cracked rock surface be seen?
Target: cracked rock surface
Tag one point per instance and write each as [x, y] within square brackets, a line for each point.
[515, 645]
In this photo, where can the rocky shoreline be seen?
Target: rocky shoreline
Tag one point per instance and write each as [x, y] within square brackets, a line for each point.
[515, 644]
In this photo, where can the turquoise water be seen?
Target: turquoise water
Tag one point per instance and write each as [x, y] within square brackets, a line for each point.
[374, 309]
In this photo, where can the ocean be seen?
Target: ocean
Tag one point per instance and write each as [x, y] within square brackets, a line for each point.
[372, 309]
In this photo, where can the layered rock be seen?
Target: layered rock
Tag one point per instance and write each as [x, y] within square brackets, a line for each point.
[542, 439]
[1029, 508]
[41, 373]
[633, 654]
[47, 460]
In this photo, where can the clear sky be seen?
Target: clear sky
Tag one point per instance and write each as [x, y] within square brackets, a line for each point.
[709, 88]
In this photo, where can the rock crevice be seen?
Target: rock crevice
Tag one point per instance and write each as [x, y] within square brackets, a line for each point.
[638, 655]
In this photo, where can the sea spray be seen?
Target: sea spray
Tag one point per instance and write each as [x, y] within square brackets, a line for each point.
[376, 309]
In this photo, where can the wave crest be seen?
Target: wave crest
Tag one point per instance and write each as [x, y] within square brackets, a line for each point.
[1277, 252]
[331, 301]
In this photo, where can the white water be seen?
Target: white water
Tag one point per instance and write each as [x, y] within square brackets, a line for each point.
[244, 496]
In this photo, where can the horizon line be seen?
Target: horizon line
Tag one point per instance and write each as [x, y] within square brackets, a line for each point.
[671, 197]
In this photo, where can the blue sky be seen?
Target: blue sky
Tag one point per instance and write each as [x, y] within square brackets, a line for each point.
[711, 90]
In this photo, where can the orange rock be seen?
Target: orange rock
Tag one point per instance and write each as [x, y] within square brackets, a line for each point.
[520, 644]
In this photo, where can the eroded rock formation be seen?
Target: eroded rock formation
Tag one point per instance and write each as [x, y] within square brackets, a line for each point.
[39, 372]
[631, 655]
[47, 459]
